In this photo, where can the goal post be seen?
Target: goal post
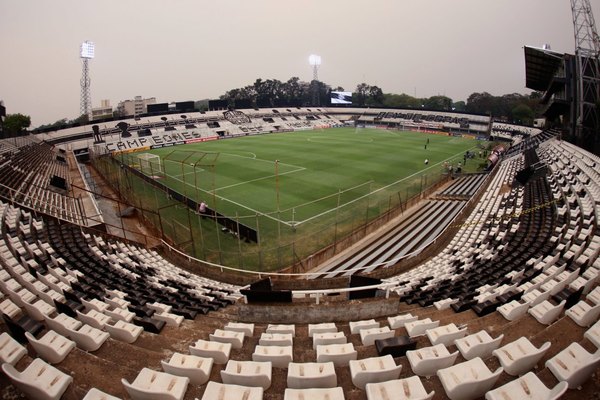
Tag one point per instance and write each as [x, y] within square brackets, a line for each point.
[150, 164]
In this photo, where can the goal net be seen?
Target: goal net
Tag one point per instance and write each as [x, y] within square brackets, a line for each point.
[150, 164]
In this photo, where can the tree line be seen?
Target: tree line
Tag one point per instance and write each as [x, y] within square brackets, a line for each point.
[511, 108]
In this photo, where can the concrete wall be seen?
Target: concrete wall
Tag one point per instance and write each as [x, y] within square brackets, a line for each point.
[303, 313]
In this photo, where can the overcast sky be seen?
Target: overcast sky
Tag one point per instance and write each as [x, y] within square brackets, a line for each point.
[177, 50]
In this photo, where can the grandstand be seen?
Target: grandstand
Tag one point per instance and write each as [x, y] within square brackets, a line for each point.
[491, 274]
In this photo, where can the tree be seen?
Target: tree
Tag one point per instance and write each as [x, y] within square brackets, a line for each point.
[523, 114]
[441, 103]
[15, 124]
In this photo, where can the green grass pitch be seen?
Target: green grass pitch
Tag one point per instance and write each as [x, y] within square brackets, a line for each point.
[316, 171]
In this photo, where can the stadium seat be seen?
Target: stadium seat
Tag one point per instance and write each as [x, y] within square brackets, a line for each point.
[399, 320]
[321, 328]
[328, 338]
[150, 384]
[418, 328]
[520, 356]
[445, 334]
[246, 329]
[356, 326]
[368, 336]
[218, 351]
[52, 347]
[545, 312]
[584, 314]
[235, 338]
[427, 361]
[314, 394]
[402, 389]
[573, 365]
[339, 354]
[11, 351]
[279, 356]
[468, 380]
[222, 391]
[527, 386]
[247, 373]
[374, 369]
[39, 380]
[311, 375]
[275, 339]
[479, 344]
[196, 368]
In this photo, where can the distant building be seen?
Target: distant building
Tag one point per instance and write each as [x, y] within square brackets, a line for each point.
[134, 107]
[104, 111]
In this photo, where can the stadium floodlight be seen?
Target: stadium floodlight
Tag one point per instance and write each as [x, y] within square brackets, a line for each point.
[87, 50]
[314, 60]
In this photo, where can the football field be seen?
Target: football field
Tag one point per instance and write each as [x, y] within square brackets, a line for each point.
[293, 178]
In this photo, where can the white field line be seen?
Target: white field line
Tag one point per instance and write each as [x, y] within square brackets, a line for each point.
[234, 202]
[380, 189]
[260, 179]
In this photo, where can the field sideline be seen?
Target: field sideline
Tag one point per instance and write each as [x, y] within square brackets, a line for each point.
[316, 172]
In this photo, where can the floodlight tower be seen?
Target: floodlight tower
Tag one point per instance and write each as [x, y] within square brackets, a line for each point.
[315, 61]
[587, 54]
[86, 53]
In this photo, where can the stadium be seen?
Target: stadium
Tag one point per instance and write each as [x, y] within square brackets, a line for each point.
[309, 251]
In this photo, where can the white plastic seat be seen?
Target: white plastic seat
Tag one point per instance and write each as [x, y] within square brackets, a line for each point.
[9, 308]
[528, 386]
[321, 328]
[246, 329]
[593, 334]
[87, 337]
[573, 365]
[124, 331]
[169, 318]
[62, 323]
[311, 375]
[335, 393]
[445, 334]
[399, 320]
[120, 314]
[535, 297]
[11, 351]
[155, 385]
[356, 326]
[95, 304]
[279, 356]
[339, 354]
[418, 328]
[479, 344]
[278, 328]
[221, 391]
[52, 347]
[276, 339]
[584, 314]
[545, 312]
[594, 295]
[520, 356]
[410, 388]
[328, 338]
[96, 394]
[39, 310]
[427, 361]
[93, 318]
[218, 351]
[235, 338]
[368, 336]
[247, 373]
[513, 310]
[196, 368]
[374, 369]
[40, 380]
[468, 380]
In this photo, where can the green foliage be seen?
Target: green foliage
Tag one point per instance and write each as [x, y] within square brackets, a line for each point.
[16, 124]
